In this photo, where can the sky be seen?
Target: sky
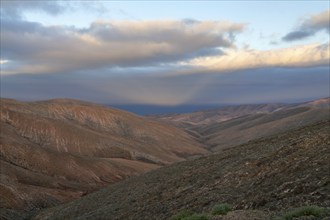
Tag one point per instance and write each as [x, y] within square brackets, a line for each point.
[165, 53]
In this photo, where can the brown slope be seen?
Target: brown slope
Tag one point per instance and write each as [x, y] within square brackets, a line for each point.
[54, 151]
[59, 123]
[319, 103]
[206, 117]
[240, 130]
[287, 170]
[233, 125]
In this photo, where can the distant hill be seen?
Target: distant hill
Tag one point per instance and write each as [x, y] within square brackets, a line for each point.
[146, 110]
[270, 174]
[319, 103]
[55, 151]
[214, 115]
[229, 126]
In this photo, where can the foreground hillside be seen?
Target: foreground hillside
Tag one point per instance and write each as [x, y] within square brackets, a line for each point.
[233, 125]
[58, 150]
[271, 174]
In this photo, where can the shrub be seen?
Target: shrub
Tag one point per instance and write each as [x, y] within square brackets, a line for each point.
[188, 215]
[196, 217]
[182, 215]
[305, 211]
[221, 209]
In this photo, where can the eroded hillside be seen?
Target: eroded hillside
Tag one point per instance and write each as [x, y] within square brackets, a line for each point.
[58, 150]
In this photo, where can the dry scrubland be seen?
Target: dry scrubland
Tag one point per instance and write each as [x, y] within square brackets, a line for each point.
[270, 174]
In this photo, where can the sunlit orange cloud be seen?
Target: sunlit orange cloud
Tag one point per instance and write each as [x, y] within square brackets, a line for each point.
[299, 56]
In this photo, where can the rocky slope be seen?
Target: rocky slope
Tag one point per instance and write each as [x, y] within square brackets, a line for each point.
[270, 174]
[58, 150]
[230, 126]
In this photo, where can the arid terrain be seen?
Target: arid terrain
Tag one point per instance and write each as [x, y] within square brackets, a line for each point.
[269, 174]
[55, 151]
[268, 157]
[229, 126]
[164, 110]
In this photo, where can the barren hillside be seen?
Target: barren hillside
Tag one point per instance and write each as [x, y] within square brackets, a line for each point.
[54, 151]
[269, 174]
[233, 125]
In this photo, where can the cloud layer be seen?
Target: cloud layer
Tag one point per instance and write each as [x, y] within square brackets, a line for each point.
[162, 62]
[189, 45]
[310, 26]
[242, 86]
[34, 48]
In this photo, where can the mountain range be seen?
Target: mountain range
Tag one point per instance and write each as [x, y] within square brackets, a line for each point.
[56, 151]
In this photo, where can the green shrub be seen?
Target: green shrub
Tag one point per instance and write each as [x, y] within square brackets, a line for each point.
[221, 209]
[305, 211]
[188, 215]
[182, 215]
[196, 217]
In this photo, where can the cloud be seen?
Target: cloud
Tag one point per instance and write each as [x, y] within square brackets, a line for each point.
[297, 35]
[154, 61]
[244, 86]
[35, 48]
[310, 26]
[3, 61]
[15, 9]
[189, 45]
[299, 56]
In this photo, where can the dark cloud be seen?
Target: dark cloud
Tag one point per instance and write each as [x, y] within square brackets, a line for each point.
[19, 26]
[310, 26]
[297, 35]
[15, 8]
[243, 86]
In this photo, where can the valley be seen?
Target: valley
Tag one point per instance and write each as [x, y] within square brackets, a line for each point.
[164, 110]
[229, 126]
[269, 174]
[94, 161]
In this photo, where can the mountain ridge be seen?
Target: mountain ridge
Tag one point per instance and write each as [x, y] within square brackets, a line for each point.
[229, 111]
[233, 125]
